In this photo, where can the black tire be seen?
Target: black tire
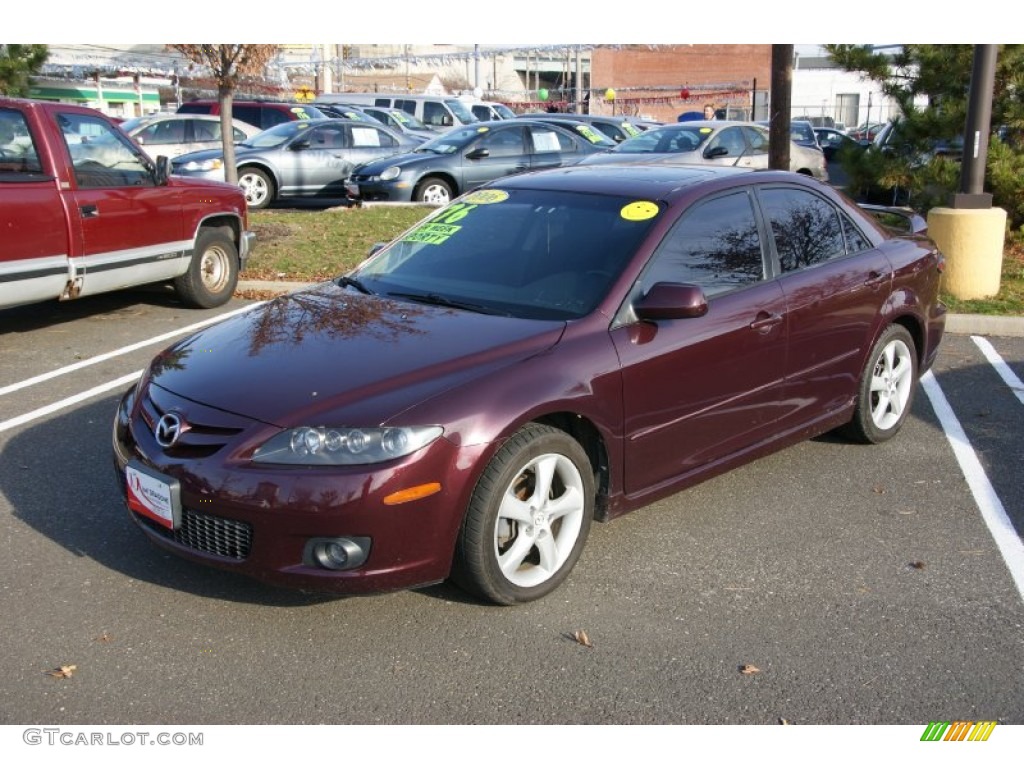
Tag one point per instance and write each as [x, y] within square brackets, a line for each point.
[508, 560]
[886, 390]
[433, 190]
[213, 273]
[258, 187]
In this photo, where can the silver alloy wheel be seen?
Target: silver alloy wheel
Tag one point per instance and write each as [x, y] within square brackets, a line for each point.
[539, 520]
[891, 381]
[255, 188]
[436, 193]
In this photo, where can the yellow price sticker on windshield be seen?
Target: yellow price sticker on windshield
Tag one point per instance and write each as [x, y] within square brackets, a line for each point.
[641, 210]
[486, 196]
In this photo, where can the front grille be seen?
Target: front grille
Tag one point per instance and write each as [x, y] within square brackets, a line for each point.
[207, 533]
[209, 429]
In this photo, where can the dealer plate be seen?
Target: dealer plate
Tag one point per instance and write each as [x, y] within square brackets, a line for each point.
[153, 495]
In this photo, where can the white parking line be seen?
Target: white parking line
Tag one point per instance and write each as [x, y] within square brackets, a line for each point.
[122, 351]
[992, 511]
[17, 421]
[1004, 371]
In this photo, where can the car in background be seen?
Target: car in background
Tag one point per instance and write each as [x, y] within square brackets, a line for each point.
[834, 143]
[866, 131]
[801, 132]
[618, 129]
[490, 110]
[396, 119]
[464, 158]
[299, 158]
[173, 134]
[710, 142]
[552, 349]
[262, 114]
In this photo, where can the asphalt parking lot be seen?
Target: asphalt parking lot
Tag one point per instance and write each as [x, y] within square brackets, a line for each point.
[866, 585]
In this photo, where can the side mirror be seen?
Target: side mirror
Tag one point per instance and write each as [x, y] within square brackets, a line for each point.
[717, 152]
[299, 145]
[478, 153]
[163, 170]
[672, 301]
[447, 121]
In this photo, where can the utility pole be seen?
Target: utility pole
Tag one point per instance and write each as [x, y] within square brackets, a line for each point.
[781, 106]
[976, 132]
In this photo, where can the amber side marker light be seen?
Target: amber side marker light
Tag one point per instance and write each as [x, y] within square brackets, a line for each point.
[411, 494]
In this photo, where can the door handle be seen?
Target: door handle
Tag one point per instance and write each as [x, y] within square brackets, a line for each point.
[89, 211]
[874, 280]
[765, 321]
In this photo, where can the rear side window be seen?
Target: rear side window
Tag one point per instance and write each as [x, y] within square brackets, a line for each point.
[18, 156]
[253, 115]
[546, 140]
[806, 228]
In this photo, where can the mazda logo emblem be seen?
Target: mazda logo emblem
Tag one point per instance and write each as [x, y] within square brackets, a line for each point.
[170, 427]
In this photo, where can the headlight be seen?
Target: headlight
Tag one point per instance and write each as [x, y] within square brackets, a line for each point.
[203, 165]
[344, 445]
[391, 173]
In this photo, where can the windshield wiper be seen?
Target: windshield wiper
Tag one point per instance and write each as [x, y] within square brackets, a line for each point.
[438, 300]
[345, 281]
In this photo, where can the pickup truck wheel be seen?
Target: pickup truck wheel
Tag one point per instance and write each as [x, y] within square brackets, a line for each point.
[257, 186]
[213, 274]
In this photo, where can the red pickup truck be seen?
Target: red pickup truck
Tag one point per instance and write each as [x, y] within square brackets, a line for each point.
[83, 210]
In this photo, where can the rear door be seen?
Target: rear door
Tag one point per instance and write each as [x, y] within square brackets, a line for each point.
[131, 230]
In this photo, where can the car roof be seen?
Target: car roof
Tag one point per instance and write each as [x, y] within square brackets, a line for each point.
[636, 180]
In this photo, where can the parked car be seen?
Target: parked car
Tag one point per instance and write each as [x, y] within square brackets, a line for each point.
[301, 158]
[437, 112]
[618, 129]
[553, 348]
[464, 158]
[395, 119]
[262, 114]
[173, 134]
[866, 131]
[710, 142]
[490, 110]
[834, 142]
[801, 132]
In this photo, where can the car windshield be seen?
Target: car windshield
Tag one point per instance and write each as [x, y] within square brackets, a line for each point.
[460, 110]
[520, 252]
[452, 141]
[667, 139]
[276, 136]
[409, 121]
[505, 112]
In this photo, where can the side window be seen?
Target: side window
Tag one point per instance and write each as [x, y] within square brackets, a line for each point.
[250, 115]
[101, 155]
[546, 140]
[758, 140]
[327, 138]
[714, 245]
[855, 240]
[433, 113]
[806, 228]
[269, 117]
[731, 139]
[208, 130]
[506, 143]
[364, 136]
[163, 132]
[18, 153]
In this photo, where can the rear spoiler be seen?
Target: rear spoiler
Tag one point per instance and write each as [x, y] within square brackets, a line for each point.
[902, 221]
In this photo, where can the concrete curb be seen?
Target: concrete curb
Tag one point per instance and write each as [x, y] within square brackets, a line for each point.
[964, 325]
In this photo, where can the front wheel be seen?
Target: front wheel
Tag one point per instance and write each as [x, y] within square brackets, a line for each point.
[435, 191]
[528, 519]
[257, 186]
[213, 272]
[886, 388]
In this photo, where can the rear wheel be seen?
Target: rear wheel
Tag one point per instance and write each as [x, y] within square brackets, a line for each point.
[434, 190]
[213, 273]
[257, 186]
[886, 388]
[528, 519]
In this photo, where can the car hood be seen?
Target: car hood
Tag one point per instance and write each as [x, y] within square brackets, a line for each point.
[330, 355]
[199, 156]
[640, 158]
[405, 160]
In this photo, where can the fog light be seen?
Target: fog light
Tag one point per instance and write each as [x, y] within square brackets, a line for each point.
[339, 554]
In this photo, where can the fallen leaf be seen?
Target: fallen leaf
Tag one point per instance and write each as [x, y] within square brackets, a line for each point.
[581, 637]
[748, 669]
[783, 721]
[917, 565]
[63, 672]
[878, 489]
[106, 637]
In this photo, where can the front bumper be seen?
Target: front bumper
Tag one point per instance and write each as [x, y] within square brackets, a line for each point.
[259, 521]
[397, 191]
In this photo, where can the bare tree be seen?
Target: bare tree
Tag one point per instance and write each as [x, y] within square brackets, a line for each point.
[229, 63]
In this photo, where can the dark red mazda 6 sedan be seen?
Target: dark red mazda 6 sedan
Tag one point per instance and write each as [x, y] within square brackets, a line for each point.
[550, 349]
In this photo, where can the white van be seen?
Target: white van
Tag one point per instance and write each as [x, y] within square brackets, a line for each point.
[438, 112]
